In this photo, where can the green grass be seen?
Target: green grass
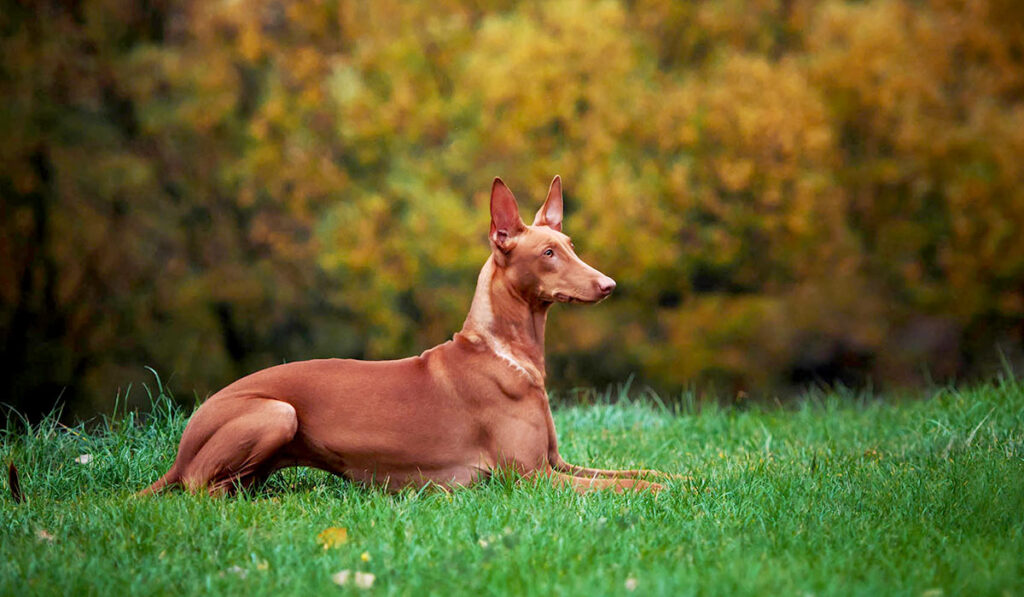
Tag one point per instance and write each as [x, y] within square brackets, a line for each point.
[837, 496]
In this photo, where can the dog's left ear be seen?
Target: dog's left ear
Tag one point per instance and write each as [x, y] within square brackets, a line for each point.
[550, 213]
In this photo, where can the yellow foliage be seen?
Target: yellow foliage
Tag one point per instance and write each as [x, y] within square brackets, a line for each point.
[784, 191]
[332, 537]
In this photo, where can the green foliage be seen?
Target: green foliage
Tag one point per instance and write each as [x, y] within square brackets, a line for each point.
[785, 191]
[834, 496]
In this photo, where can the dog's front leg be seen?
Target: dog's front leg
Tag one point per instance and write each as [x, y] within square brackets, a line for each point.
[560, 465]
[587, 484]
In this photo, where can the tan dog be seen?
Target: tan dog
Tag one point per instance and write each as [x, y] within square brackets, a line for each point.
[450, 416]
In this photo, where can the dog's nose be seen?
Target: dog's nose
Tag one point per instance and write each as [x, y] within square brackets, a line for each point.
[606, 285]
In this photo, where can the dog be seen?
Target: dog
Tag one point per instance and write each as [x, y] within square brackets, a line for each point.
[449, 417]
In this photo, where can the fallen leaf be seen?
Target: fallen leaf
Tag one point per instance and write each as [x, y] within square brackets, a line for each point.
[84, 458]
[44, 535]
[364, 580]
[631, 584]
[332, 537]
[263, 565]
[236, 570]
[14, 483]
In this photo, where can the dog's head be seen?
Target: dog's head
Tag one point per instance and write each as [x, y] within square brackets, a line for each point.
[539, 261]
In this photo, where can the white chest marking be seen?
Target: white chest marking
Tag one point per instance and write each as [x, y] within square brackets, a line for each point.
[504, 354]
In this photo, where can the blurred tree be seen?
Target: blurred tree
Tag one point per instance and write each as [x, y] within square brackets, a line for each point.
[787, 191]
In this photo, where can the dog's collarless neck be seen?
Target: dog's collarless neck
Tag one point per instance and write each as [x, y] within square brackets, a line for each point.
[507, 326]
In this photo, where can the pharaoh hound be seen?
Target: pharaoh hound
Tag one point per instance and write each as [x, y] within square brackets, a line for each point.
[450, 416]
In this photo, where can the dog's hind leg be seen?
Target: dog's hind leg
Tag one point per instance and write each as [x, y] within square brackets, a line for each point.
[238, 449]
[169, 479]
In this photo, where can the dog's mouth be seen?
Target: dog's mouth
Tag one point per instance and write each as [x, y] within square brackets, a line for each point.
[562, 297]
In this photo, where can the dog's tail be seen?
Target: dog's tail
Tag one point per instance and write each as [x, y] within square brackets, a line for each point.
[170, 479]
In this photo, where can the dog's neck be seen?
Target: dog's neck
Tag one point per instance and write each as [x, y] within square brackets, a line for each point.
[508, 323]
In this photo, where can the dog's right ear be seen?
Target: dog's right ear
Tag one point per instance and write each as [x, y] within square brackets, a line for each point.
[506, 224]
[550, 213]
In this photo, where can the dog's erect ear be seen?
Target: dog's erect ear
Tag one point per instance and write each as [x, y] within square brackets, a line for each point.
[505, 221]
[550, 213]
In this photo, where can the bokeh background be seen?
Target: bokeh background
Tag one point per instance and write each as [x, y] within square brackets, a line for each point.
[788, 192]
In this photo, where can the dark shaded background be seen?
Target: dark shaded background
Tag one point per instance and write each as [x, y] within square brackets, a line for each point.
[787, 192]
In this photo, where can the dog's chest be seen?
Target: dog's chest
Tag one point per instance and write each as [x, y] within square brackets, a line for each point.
[518, 433]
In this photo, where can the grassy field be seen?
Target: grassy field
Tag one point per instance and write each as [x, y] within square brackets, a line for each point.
[838, 496]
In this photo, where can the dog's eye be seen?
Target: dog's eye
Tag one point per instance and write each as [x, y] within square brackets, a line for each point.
[549, 253]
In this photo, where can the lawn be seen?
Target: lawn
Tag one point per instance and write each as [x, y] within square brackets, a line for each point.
[838, 495]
